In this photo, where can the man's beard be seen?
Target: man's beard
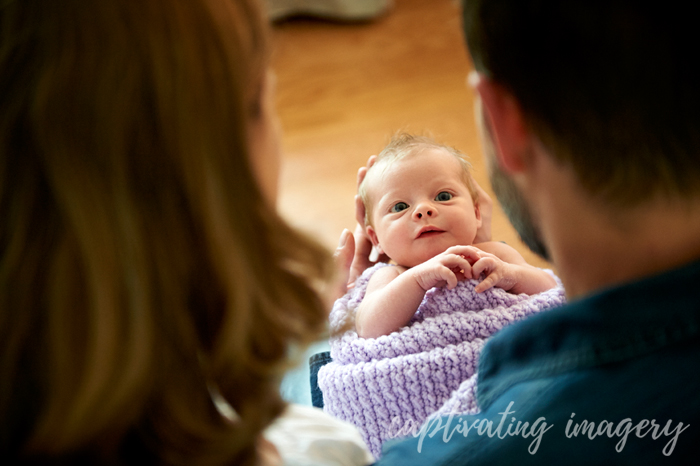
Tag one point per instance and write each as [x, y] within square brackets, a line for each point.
[517, 210]
[508, 194]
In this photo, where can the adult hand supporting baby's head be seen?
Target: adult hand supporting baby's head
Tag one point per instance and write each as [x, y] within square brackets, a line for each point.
[362, 258]
[352, 257]
[359, 205]
[344, 257]
[362, 255]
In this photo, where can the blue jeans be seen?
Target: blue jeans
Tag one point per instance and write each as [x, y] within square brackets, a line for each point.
[317, 361]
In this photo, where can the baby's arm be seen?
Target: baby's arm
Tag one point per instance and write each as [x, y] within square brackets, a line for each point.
[394, 293]
[505, 268]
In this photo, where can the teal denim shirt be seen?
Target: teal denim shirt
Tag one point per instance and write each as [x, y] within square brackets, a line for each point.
[612, 378]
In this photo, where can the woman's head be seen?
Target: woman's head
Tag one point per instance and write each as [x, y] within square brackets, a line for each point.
[141, 263]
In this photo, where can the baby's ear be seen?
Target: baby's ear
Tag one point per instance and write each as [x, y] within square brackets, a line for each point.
[373, 238]
[477, 213]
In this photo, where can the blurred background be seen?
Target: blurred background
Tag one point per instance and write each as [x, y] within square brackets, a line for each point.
[344, 87]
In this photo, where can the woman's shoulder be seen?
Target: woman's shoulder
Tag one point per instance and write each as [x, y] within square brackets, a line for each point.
[307, 435]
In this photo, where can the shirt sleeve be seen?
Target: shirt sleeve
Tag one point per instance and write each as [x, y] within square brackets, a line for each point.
[308, 436]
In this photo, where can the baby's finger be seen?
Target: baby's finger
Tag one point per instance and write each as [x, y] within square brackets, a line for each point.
[487, 283]
[457, 263]
[470, 253]
[484, 265]
[464, 267]
[449, 277]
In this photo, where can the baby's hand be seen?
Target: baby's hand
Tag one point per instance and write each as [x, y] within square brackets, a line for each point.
[445, 269]
[496, 272]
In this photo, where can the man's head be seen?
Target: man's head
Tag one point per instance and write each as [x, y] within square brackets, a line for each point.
[511, 199]
[419, 200]
[608, 87]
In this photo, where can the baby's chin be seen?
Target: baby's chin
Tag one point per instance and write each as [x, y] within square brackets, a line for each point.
[427, 253]
[413, 261]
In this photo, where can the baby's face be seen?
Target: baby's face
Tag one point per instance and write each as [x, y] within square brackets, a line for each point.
[421, 207]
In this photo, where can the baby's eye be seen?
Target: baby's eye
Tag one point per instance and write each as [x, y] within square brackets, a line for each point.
[399, 206]
[443, 196]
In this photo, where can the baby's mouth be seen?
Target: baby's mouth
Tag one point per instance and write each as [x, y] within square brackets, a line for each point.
[427, 232]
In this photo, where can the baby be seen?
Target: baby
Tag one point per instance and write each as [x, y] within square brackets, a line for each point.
[421, 323]
[422, 211]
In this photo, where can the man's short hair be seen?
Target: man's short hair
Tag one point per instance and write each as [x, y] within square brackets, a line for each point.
[608, 86]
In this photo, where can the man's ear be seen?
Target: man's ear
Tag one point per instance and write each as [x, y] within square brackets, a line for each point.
[373, 238]
[505, 123]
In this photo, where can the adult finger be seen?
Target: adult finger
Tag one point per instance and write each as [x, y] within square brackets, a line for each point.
[362, 171]
[362, 247]
[343, 257]
[359, 205]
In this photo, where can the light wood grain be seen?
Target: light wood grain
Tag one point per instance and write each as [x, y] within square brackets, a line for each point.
[344, 89]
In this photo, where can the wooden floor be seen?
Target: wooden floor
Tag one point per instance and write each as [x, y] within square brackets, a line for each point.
[344, 89]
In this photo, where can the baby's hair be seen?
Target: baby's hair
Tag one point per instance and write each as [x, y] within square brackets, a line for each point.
[403, 145]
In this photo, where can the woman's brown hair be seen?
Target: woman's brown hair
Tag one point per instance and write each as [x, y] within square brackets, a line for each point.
[141, 268]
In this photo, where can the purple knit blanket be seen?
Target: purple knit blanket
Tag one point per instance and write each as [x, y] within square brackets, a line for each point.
[388, 386]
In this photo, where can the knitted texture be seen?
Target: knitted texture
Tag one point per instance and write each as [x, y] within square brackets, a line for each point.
[387, 386]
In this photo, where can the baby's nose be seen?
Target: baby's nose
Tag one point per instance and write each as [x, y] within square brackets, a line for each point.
[424, 211]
